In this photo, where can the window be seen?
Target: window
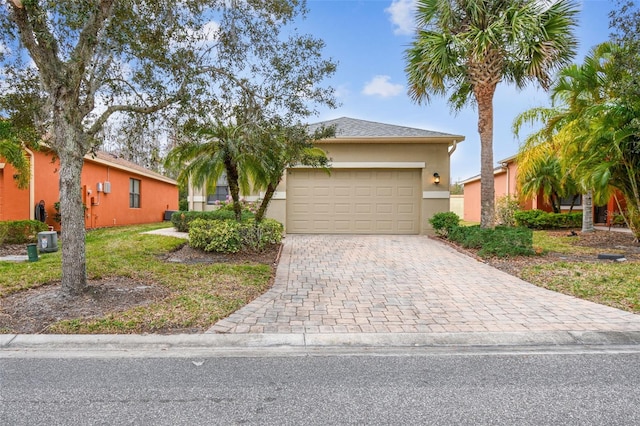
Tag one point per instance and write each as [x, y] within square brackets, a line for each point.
[221, 192]
[134, 193]
[575, 200]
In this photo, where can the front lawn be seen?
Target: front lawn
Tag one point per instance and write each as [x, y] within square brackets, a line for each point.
[123, 263]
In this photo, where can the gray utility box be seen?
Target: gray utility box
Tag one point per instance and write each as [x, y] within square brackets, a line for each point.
[48, 241]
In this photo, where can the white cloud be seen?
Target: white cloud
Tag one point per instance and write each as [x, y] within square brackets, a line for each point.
[381, 86]
[401, 14]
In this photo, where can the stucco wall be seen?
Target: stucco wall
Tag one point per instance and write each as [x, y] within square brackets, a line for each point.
[102, 209]
[113, 209]
[434, 156]
[456, 205]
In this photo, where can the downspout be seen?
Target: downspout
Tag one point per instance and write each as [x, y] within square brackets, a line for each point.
[32, 185]
[453, 147]
[505, 166]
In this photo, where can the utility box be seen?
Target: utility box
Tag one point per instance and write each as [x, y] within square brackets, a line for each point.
[47, 241]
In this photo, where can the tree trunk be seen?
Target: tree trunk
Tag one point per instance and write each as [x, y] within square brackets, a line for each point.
[234, 188]
[484, 97]
[587, 212]
[74, 271]
[271, 189]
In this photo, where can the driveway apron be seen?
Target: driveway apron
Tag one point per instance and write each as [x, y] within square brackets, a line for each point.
[408, 284]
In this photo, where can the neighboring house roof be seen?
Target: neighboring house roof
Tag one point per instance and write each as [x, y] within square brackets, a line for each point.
[498, 170]
[351, 128]
[113, 160]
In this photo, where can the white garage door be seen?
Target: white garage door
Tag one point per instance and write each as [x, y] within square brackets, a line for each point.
[353, 201]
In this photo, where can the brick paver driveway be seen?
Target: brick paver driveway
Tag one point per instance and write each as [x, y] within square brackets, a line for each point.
[411, 284]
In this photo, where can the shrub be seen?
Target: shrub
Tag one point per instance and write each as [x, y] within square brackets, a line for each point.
[21, 231]
[538, 219]
[229, 236]
[215, 235]
[258, 236]
[506, 207]
[443, 223]
[182, 219]
[502, 241]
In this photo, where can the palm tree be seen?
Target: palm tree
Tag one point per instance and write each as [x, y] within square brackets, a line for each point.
[280, 147]
[569, 130]
[219, 148]
[469, 46]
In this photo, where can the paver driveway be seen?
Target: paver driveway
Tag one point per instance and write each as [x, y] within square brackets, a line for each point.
[381, 284]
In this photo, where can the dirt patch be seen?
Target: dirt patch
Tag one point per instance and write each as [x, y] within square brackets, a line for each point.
[34, 310]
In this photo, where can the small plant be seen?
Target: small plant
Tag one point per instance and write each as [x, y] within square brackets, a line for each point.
[443, 223]
[506, 207]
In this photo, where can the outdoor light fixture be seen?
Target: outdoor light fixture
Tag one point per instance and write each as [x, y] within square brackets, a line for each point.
[436, 178]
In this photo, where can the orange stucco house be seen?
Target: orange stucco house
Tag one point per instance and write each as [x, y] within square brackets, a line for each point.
[505, 176]
[115, 191]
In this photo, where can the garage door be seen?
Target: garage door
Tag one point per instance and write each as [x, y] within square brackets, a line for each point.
[353, 201]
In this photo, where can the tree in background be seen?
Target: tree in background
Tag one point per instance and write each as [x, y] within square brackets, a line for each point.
[11, 150]
[591, 131]
[101, 60]
[468, 47]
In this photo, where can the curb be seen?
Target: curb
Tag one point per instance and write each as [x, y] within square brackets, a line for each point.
[11, 343]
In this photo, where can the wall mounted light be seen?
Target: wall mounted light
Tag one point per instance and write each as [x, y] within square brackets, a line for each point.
[436, 178]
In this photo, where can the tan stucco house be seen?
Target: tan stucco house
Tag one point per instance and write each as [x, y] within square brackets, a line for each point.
[382, 181]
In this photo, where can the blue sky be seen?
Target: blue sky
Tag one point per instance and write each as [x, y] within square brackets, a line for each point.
[368, 39]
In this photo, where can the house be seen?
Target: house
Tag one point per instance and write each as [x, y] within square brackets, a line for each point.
[505, 182]
[384, 179]
[115, 191]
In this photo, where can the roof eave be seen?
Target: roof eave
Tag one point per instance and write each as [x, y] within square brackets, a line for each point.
[449, 139]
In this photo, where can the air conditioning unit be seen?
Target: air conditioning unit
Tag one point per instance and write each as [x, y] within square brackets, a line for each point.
[47, 241]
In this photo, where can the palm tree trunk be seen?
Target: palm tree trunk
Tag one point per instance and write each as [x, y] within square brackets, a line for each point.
[484, 97]
[587, 212]
[271, 189]
[234, 188]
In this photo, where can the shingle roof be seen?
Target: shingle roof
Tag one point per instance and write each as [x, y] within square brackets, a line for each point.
[353, 128]
[121, 163]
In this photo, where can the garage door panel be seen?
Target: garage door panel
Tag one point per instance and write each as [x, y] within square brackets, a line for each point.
[342, 191]
[354, 201]
[363, 208]
[363, 191]
[384, 208]
[409, 209]
[342, 208]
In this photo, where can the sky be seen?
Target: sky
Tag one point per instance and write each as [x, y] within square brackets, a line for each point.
[368, 38]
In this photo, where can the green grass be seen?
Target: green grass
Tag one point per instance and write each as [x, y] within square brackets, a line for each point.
[608, 283]
[198, 294]
[605, 282]
[544, 242]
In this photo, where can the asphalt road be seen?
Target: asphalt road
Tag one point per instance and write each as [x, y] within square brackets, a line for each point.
[443, 387]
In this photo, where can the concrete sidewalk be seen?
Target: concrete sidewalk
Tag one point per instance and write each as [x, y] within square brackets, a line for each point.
[407, 284]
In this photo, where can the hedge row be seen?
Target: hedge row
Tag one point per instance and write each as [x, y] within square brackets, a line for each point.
[501, 241]
[538, 219]
[21, 231]
[230, 236]
[182, 219]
